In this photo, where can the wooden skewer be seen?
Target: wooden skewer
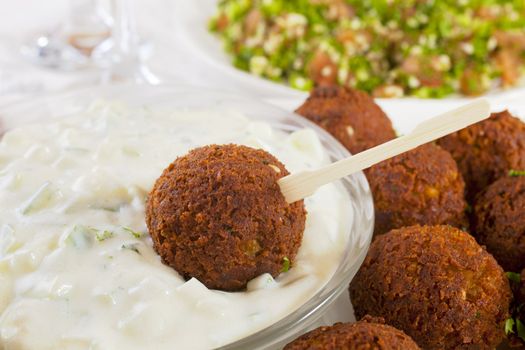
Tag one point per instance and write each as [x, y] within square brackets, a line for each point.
[303, 184]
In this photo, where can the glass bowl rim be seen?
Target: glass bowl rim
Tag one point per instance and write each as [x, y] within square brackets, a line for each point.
[295, 322]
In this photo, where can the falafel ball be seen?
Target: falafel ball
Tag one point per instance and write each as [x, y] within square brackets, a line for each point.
[437, 285]
[487, 150]
[350, 115]
[499, 221]
[422, 186]
[218, 214]
[369, 333]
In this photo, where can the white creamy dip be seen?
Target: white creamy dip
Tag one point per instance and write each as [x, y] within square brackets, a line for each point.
[77, 268]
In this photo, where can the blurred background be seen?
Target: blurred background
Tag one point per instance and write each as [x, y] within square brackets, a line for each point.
[277, 50]
[24, 22]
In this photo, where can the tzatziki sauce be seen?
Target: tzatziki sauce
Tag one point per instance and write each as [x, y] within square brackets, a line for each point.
[77, 266]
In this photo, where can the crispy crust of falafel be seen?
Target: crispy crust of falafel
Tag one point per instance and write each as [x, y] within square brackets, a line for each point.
[369, 333]
[422, 186]
[351, 116]
[499, 221]
[487, 150]
[436, 284]
[217, 214]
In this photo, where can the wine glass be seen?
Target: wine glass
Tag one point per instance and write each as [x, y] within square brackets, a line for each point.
[120, 58]
[69, 46]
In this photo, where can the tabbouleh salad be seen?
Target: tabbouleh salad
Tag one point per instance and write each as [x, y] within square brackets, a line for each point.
[390, 48]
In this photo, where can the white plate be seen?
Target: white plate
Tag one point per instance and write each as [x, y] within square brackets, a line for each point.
[191, 22]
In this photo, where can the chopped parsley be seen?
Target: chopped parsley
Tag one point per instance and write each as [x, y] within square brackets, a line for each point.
[516, 173]
[513, 276]
[83, 234]
[286, 264]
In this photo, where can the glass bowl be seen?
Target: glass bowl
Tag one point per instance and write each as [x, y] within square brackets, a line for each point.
[186, 98]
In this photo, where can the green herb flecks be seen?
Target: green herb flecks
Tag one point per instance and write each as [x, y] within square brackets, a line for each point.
[132, 247]
[515, 326]
[103, 235]
[388, 48]
[509, 326]
[516, 173]
[513, 276]
[135, 234]
[286, 264]
[81, 236]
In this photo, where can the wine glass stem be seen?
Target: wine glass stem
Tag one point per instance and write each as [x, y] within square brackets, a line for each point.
[125, 32]
[125, 59]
